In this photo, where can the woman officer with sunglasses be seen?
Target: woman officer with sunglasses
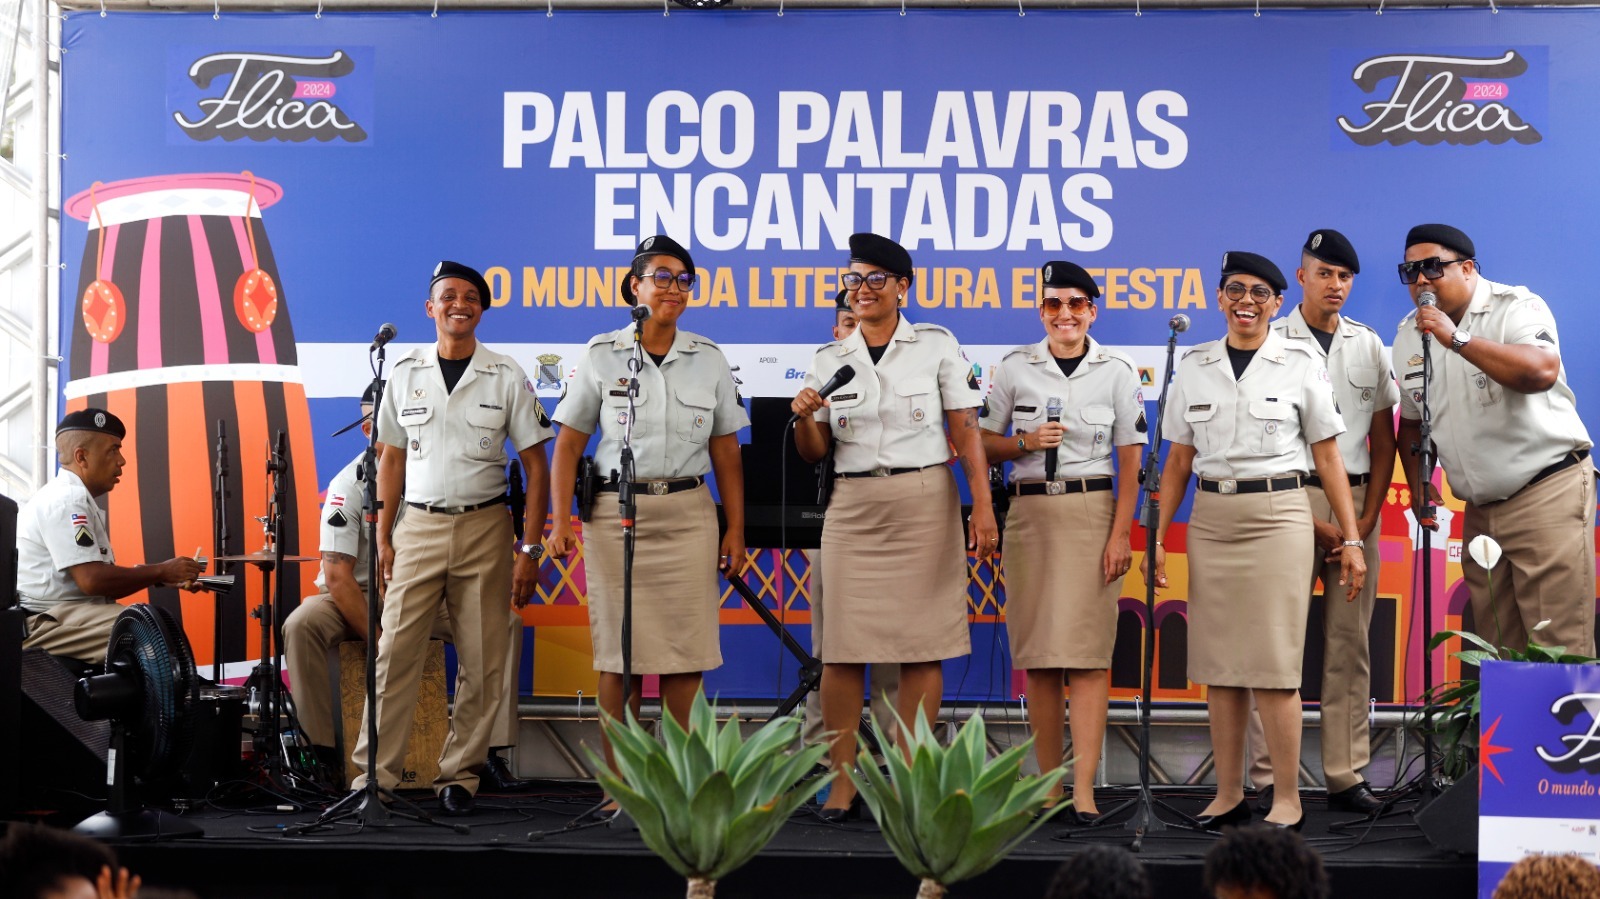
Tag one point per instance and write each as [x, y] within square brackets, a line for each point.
[1069, 401]
[894, 569]
[687, 413]
[1249, 414]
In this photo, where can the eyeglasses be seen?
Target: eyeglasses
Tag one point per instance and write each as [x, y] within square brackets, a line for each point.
[1052, 305]
[664, 279]
[875, 280]
[1431, 268]
[1236, 291]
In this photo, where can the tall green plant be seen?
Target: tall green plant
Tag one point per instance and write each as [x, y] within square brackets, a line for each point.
[707, 800]
[953, 813]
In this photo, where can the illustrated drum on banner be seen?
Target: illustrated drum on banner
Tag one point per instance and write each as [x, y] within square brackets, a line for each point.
[182, 322]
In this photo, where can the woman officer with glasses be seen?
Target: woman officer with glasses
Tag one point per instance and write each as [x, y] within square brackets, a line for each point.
[1071, 404]
[687, 414]
[1249, 414]
[894, 567]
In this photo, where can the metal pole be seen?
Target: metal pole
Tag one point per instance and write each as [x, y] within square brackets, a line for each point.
[43, 259]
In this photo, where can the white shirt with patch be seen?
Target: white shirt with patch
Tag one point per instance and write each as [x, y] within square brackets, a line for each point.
[59, 528]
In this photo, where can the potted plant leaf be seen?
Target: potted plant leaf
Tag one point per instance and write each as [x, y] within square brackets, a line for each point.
[953, 813]
[707, 800]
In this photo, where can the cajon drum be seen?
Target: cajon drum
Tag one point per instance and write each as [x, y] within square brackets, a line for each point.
[429, 723]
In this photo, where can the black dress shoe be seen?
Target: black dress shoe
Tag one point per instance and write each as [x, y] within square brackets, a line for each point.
[1299, 823]
[1264, 800]
[455, 800]
[496, 776]
[1358, 799]
[1082, 819]
[1239, 814]
[851, 812]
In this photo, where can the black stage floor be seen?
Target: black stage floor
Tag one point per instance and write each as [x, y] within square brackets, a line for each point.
[245, 855]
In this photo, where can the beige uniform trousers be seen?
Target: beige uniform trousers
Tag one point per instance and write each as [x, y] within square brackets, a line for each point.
[77, 629]
[317, 627]
[464, 563]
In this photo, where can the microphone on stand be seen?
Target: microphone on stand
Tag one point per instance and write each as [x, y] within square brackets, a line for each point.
[1179, 323]
[839, 379]
[1427, 298]
[640, 314]
[1052, 413]
[385, 334]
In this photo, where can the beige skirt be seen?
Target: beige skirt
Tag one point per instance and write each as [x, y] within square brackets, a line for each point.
[1059, 613]
[1250, 559]
[675, 625]
[896, 569]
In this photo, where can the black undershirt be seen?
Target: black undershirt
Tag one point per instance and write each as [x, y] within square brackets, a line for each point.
[1068, 366]
[453, 369]
[658, 357]
[1323, 337]
[1241, 361]
[876, 352]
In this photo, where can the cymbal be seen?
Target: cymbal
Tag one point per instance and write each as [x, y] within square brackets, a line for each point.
[263, 557]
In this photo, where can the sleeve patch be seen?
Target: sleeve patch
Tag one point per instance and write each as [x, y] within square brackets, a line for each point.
[82, 537]
[338, 519]
[1141, 425]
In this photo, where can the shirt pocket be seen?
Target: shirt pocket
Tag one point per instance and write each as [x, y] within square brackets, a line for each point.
[614, 412]
[695, 407]
[414, 419]
[1202, 420]
[487, 431]
[1363, 386]
[1483, 388]
[1097, 421]
[1271, 424]
[1027, 418]
[843, 410]
[918, 402]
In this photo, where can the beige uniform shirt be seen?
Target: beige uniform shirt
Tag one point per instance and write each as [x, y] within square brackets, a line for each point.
[890, 415]
[1102, 407]
[343, 530]
[1363, 382]
[1491, 440]
[682, 403]
[1260, 425]
[61, 526]
[455, 441]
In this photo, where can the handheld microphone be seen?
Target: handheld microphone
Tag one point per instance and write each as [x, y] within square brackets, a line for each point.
[640, 313]
[1427, 299]
[1052, 412]
[1179, 323]
[839, 379]
[385, 334]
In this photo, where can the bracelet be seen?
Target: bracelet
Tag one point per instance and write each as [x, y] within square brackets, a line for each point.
[1022, 442]
[1356, 543]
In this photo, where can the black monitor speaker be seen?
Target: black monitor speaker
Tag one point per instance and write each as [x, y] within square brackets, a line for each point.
[780, 488]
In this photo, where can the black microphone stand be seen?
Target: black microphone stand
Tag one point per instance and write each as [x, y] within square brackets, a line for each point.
[1427, 520]
[629, 510]
[219, 542]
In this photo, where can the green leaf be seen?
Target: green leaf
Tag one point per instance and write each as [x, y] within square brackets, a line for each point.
[729, 741]
[1476, 656]
[1465, 637]
[943, 835]
[652, 827]
[710, 812]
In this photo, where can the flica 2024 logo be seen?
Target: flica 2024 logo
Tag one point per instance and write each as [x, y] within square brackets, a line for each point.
[1436, 98]
[272, 96]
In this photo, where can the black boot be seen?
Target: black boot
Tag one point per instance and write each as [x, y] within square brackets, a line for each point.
[497, 776]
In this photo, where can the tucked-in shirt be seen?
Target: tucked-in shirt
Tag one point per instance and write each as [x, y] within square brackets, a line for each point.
[60, 527]
[342, 527]
[683, 402]
[1491, 440]
[890, 415]
[454, 441]
[1260, 425]
[1363, 382]
[1102, 407]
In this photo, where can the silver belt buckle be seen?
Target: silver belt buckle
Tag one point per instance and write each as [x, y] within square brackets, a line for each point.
[1055, 488]
[1228, 485]
[658, 488]
[880, 472]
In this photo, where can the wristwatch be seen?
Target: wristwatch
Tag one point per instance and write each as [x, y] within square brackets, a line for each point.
[534, 550]
[1360, 544]
[1459, 339]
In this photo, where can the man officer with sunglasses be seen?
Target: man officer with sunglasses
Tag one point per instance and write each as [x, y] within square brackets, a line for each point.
[1506, 428]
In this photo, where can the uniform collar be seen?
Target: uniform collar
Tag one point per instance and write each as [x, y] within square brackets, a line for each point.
[70, 478]
[1296, 326]
[428, 357]
[856, 342]
[1275, 349]
[682, 342]
[1039, 353]
[1481, 301]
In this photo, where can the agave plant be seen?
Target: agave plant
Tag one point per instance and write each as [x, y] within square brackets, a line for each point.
[953, 813]
[707, 800]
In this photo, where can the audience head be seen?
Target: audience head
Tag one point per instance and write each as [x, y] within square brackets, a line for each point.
[38, 862]
[1549, 877]
[1264, 863]
[1101, 872]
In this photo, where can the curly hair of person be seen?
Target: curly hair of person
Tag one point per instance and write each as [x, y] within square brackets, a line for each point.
[35, 859]
[1549, 877]
[1271, 859]
[1100, 872]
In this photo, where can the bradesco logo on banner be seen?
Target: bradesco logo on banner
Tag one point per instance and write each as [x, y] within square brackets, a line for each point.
[295, 95]
[1451, 97]
[1540, 773]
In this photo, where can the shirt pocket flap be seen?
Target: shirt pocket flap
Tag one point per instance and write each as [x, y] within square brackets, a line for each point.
[698, 398]
[415, 415]
[917, 386]
[1200, 413]
[1362, 376]
[1272, 411]
[486, 418]
[1099, 415]
[1027, 413]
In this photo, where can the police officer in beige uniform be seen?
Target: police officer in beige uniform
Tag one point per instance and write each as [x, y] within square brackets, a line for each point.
[1508, 435]
[1363, 384]
[338, 612]
[687, 418]
[1249, 414]
[891, 543]
[1067, 539]
[68, 579]
[446, 415]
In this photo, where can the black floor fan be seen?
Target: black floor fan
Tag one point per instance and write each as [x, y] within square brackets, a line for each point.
[149, 692]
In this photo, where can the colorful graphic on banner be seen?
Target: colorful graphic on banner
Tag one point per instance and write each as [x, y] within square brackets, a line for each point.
[1539, 751]
[542, 160]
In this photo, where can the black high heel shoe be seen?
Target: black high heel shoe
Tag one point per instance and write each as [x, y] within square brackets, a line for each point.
[1239, 814]
[852, 812]
[1299, 823]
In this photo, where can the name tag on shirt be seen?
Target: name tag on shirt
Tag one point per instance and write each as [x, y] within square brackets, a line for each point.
[1200, 408]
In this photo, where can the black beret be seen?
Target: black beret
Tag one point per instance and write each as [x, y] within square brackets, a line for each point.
[448, 269]
[882, 252]
[1237, 262]
[1444, 236]
[659, 245]
[841, 300]
[1059, 273]
[1332, 247]
[98, 420]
